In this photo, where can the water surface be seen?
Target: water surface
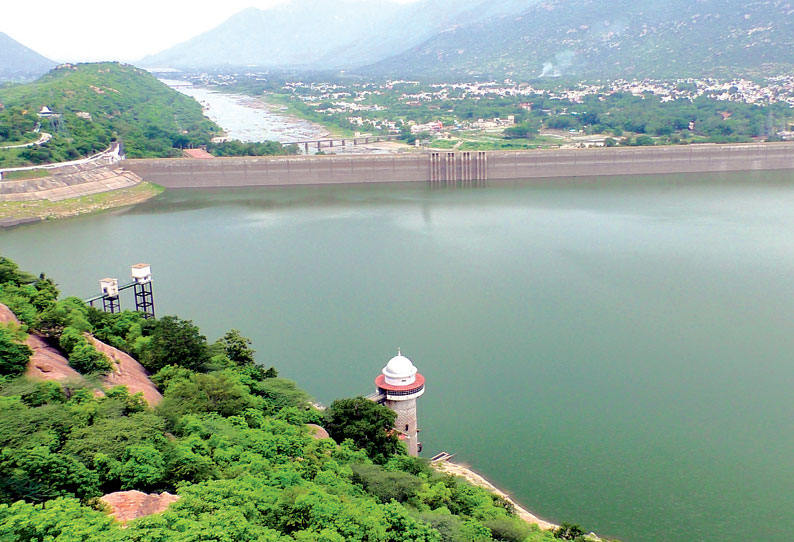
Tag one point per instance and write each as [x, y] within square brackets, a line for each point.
[615, 352]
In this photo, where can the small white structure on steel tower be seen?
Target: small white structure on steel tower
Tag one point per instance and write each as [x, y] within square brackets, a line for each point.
[398, 387]
[110, 295]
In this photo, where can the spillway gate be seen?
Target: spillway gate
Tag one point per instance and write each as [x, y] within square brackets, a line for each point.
[467, 167]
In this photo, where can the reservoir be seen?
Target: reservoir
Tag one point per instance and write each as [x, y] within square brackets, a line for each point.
[616, 352]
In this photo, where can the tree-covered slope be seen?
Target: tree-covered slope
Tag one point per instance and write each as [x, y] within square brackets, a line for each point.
[617, 38]
[18, 62]
[123, 102]
[229, 437]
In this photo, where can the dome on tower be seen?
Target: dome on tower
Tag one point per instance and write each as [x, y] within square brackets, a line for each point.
[400, 370]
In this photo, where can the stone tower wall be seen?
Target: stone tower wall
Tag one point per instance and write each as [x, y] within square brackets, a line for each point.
[406, 415]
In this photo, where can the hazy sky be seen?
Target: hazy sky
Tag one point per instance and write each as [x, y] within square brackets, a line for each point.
[88, 30]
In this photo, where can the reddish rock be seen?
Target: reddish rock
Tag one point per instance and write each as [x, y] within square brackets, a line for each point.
[6, 315]
[127, 372]
[317, 431]
[128, 505]
[46, 363]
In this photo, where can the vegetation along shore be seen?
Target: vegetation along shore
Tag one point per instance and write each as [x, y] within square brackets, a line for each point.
[102, 413]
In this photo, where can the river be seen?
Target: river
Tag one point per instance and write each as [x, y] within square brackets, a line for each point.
[249, 119]
[613, 351]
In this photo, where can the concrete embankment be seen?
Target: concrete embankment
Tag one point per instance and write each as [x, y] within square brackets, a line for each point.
[68, 182]
[461, 166]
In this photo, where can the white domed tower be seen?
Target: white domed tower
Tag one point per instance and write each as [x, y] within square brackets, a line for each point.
[399, 387]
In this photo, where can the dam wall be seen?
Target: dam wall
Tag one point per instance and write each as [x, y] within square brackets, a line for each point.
[446, 167]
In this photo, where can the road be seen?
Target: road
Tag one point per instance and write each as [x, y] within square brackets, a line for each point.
[45, 137]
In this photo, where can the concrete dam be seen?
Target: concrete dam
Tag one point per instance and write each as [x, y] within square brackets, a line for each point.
[460, 167]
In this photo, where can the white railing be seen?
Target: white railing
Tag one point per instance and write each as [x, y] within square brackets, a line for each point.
[112, 155]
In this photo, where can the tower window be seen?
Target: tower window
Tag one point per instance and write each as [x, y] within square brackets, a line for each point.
[406, 427]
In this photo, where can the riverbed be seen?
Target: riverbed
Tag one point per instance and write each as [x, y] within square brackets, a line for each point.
[250, 119]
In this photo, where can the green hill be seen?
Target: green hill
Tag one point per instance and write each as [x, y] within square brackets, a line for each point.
[619, 38]
[229, 437]
[123, 102]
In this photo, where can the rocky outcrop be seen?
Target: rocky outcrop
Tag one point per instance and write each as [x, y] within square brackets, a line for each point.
[129, 505]
[127, 372]
[46, 363]
[317, 431]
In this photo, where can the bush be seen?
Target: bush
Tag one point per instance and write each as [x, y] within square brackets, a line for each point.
[14, 355]
[508, 529]
[386, 485]
[568, 531]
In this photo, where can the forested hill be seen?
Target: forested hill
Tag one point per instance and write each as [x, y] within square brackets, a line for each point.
[229, 437]
[615, 38]
[100, 102]
[18, 62]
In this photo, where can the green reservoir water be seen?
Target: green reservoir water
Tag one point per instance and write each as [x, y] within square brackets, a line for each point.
[615, 352]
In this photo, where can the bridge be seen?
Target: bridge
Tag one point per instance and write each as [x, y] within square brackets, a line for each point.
[341, 142]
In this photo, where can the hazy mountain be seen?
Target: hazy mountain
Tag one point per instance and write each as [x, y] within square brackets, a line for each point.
[612, 38]
[18, 62]
[324, 34]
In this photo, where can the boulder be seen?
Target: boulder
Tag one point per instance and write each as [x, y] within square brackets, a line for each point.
[128, 505]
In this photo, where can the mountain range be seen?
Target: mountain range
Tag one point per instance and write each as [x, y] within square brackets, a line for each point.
[325, 34]
[18, 62]
[615, 38]
[523, 39]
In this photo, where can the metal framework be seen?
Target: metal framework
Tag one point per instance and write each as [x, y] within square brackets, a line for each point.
[142, 291]
[144, 299]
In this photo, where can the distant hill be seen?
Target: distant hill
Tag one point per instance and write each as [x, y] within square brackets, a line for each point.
[615, 38]
[322, 34]
[18, 63]
[99, 102]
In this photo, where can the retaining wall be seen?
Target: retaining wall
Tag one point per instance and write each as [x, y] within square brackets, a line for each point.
[451, 166]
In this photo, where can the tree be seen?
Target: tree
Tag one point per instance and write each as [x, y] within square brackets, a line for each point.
[175, 342]
[10, 273]
[386, 485]
[14, 355]
[369, 425]
[568, 531]
[238, 348]
[221, 393]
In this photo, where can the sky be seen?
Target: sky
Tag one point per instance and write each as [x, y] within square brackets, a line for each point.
[93, 30]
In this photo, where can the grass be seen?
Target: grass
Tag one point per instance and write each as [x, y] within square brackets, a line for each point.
[494, 143]
[29, 174]
[45, 209]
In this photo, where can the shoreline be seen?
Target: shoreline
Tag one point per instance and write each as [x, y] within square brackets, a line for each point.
[17, 213]
[456, 469]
